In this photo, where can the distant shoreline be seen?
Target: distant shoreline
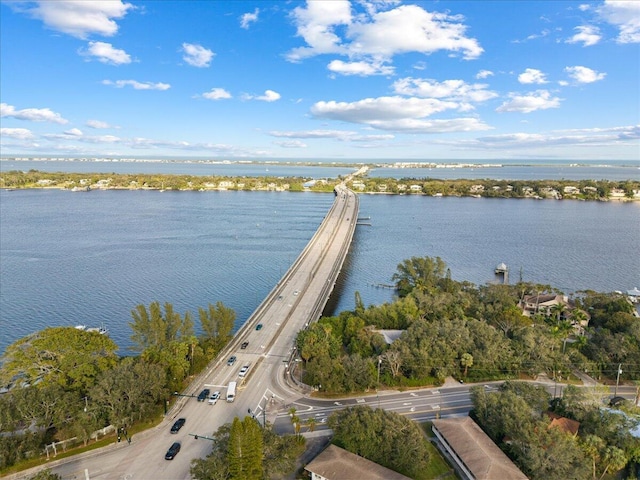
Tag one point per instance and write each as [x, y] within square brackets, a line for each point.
[586, 190]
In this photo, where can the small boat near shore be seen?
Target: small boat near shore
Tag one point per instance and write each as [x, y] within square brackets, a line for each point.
[101, 329]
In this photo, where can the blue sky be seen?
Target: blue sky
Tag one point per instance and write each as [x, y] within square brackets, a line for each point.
[338, 79]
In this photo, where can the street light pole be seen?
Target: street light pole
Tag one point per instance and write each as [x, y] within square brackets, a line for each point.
[615, 393]
[378, 384]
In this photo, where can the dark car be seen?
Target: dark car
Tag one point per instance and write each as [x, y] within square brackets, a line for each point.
[259, 326]
[244, 345]
[178, 425]
[173, 451]
[232, 360]
[203, 395]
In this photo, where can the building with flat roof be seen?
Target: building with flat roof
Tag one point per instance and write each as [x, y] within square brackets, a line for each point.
[475, 454]
[335, 463]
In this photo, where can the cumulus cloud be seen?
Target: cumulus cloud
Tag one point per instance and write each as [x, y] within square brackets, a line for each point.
[216, 94]
[397, 114]
[377, 34]
[97, 124]
[362, 68]
[17, 133]
[269, 96]
[538, 100]
[80, 18]
[137, 85]
[587, 35]
[248, 18]
[105, 53]
[625, 15]
[484, 74]
[584, 74]
[457, 90]
[531, 75]
[31, 114]
[196, 55]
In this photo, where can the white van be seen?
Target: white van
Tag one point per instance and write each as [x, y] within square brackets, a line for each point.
[231, 392]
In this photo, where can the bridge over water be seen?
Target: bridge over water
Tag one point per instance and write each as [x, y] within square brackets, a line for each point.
[268, 351]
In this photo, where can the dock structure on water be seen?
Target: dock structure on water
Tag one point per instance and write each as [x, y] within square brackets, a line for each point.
[502, 273]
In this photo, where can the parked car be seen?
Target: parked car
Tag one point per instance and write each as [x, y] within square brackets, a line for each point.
[244, 345]
[244, 370]
[232, 360]
[173, 451]
[296, 292]
[202, 396]
[259, 326]
[214, 398]
[178, 425]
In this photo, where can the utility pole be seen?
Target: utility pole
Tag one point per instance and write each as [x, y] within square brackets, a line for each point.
[378, 384]
[615, 393]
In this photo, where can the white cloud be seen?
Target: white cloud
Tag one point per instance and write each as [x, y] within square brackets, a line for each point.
[316, 23]
[397, 114]
[216, 94]
[105, 53]
[342, 135]
[456, 90]
[363, 69]
[197, 55]
[409, 28]
[74, 132]
[587, 34]
[625, 15]
[269, 96]
[137, 85]
[249, 18]
[17, 133]
[375, 34]
[97, 124]
[31, 114]
[584, 74]
[80, 18]
[484, 74]
[531, 75]
[291, 144]
[538, 100]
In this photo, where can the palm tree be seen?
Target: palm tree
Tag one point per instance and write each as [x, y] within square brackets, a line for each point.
[466, 360]
[558, 309]
[311, 424]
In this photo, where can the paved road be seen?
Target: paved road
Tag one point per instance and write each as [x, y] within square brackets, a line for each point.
[296, 300]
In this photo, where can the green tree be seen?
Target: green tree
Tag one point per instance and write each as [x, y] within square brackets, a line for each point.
[245, 450]
[466, 361]
[153, 328]
[382, 437]
[66, 356]
[420, 273]
[45, 474]
[130, 391]
[217, 323]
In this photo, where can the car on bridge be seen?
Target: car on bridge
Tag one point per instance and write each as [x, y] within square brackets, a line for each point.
[232, 360]
[259, 326]
[202, 396]
[173, 451]
[244, 345]
[178, 425]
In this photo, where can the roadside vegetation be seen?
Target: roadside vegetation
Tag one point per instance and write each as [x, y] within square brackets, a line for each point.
[487, 188]
[65, 384]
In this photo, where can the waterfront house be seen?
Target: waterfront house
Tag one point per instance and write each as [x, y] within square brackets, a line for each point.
[415, 188]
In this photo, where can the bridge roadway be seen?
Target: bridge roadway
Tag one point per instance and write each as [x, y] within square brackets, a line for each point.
[297, 299]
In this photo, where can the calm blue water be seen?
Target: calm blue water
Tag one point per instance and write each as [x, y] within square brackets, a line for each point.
[89, 258]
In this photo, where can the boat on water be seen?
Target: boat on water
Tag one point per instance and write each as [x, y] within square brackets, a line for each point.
[101, 329]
